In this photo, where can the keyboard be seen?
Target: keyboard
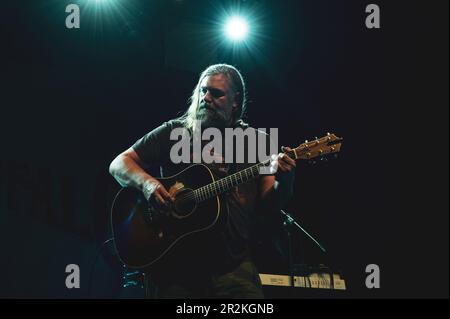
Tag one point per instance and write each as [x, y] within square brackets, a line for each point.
[314, 280]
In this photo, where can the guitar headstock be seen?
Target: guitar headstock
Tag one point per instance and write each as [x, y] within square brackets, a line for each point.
[319, 147]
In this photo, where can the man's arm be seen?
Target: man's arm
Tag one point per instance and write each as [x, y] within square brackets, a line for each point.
[127, 169]
[276, 190]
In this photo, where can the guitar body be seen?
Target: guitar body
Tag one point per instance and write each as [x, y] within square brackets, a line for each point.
[143, 236]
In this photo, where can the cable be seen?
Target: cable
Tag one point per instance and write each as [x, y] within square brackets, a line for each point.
[93, 265]
[293, 221]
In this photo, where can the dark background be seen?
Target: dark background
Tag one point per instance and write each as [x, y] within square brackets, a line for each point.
[71, 100]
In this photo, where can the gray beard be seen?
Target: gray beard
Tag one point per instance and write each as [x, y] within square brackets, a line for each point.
[209, 118]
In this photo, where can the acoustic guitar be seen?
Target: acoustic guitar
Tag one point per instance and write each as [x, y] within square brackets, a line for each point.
[144, 234]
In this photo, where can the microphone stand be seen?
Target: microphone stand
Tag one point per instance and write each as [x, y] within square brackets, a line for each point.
[290, 222]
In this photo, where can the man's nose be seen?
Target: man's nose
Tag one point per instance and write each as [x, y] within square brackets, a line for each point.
[207, 97]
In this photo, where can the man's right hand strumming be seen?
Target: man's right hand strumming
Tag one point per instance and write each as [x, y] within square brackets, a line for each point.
[154, 191]
[127, 170]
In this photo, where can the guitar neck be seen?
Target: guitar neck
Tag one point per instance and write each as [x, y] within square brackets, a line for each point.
[224, 184]
[306, 151]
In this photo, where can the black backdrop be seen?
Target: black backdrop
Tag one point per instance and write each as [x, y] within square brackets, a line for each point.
[73, 99]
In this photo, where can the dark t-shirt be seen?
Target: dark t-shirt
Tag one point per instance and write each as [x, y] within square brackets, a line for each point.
[230, 243]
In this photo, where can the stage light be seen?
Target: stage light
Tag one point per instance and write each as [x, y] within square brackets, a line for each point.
[236, 28]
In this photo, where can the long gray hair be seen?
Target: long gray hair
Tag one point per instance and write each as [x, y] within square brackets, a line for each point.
[237, 84]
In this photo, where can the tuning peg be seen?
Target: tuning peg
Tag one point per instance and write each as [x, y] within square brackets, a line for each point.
[335, 155]
[323, 159]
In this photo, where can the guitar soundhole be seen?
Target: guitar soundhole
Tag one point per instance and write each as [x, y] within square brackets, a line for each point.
[184, 203]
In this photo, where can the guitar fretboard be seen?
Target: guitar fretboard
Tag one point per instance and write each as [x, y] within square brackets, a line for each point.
[224, 184]
[308, 150]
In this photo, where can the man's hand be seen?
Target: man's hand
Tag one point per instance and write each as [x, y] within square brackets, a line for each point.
[284, 164]
[154, 191]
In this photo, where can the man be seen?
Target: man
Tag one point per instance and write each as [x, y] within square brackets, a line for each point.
[219, 265]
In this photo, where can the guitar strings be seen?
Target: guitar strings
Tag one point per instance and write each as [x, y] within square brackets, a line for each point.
[215, 188]
[220, 185]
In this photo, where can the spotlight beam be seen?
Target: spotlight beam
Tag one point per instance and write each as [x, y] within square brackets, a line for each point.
[236, 28]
